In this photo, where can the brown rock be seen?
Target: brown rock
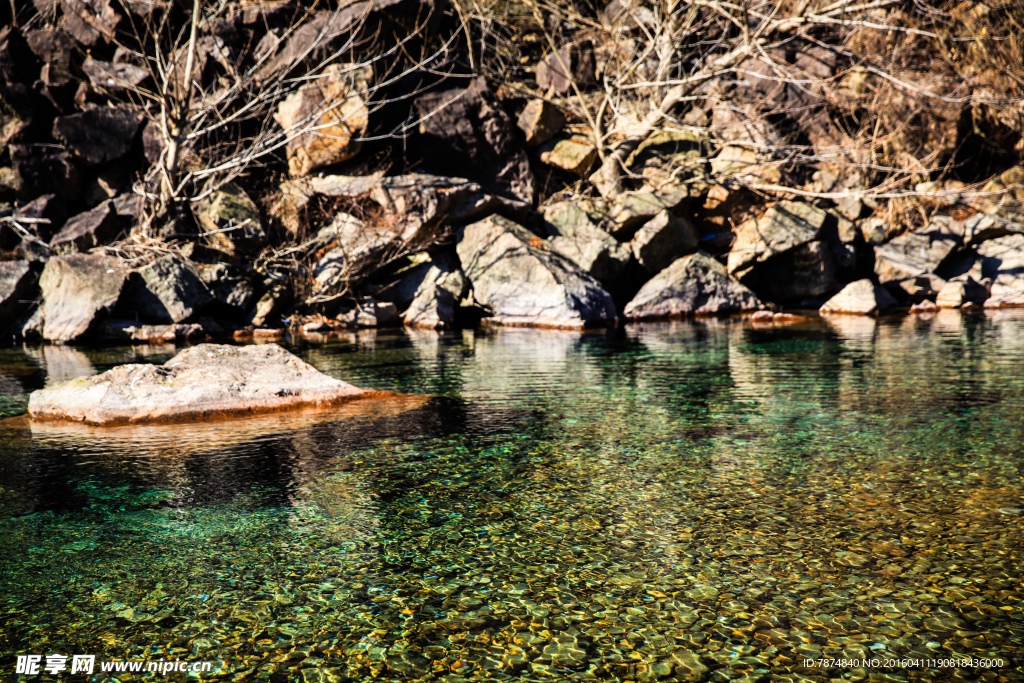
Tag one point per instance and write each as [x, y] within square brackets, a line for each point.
[965, 290]
[862, 297]
[325, 119]
[783, 226]
[204, 381]
[575, 153]
[232, 222]
[113, 77]
[540, 121]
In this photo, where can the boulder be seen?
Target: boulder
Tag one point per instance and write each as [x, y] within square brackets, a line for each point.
[630, 210]
[325, 119]
[429, 293]
[662, 240]
[270, 306]
[100, 134]
[909, 261]
[558, 70]
[465, 132]
[55, 49]
[168, 290]
[233, 287]
[369, 313]
[78, 290]
[572, 233]
[862, 297]
[1004, 196]
[1002, 262]
[802, 274]
[90, 22]
[693, 285]
[955, 294]
[232, 222]
[113, 77]
[983, 227]
[784, 226]
[573, 153]
[94, 228]
[17, 291]
[522, 281]
[433, 308]
[201, 382]
[41, 170]
[540, 121]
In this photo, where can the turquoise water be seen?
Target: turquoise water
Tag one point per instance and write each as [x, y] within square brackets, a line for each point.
[694, 501]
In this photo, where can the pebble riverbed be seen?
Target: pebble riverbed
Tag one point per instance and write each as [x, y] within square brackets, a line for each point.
[705, 501]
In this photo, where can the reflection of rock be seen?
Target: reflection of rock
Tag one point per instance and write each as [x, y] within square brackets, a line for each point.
[137, 440]
[204, 381]
[63, 363]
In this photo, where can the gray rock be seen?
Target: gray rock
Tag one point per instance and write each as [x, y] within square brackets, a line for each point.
[78, 290]
[441, 288]
[693, 285]
[630, 210]
[784, 226]
[910, 260]
[232, 222]
[168, 290]
[234, 287]
[522, 281]
[540, 121]
[201, 382]
[862, 297]
[94, 228]
[572, 233]
[17, 291]
[44, 171]
[113, 77]
[100, 134]
[1002, 262]
[91, 22]
[983, 227]
[662, 240]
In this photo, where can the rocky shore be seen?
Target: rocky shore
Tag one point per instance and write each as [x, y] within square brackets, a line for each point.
[493, 205]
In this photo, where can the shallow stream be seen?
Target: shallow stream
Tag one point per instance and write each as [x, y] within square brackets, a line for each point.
[692, 501]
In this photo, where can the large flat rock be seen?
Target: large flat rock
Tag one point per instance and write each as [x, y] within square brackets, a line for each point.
[204, 381]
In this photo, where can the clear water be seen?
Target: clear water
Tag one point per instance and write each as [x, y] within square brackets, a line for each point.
[705, 501]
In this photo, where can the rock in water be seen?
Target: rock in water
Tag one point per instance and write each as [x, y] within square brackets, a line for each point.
[77, 290]
[862, 297]
[693, 285]
[204, 381]
[524, 282]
